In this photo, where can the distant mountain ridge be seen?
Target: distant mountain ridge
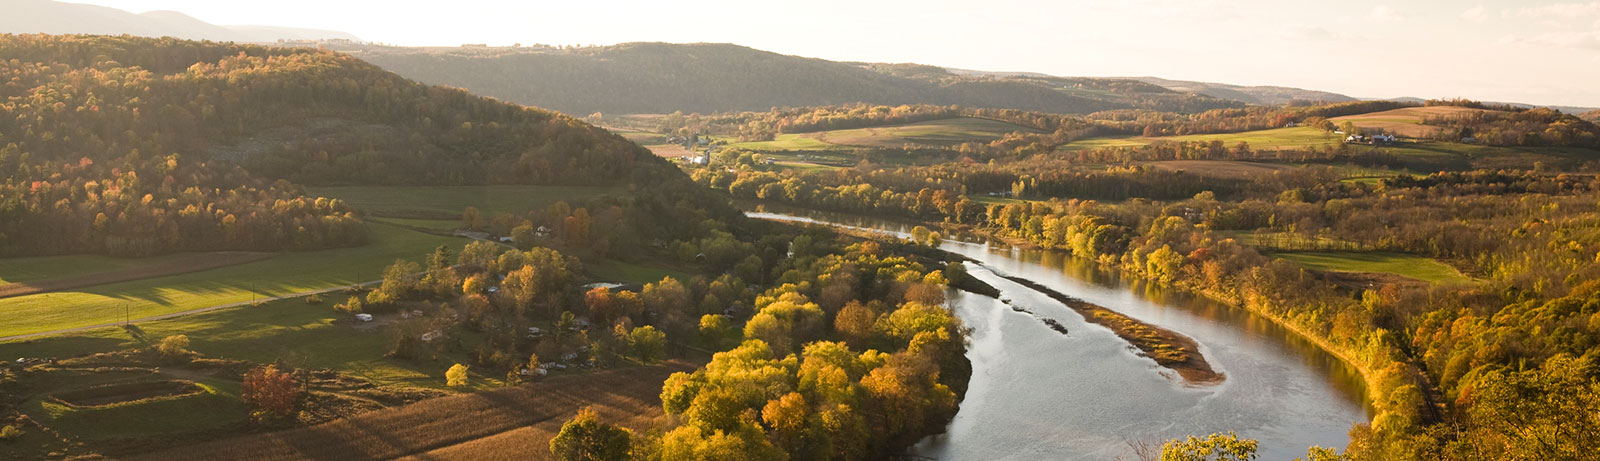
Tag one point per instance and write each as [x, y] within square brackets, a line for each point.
[57, 18]
[714, 77]
[1265, 95]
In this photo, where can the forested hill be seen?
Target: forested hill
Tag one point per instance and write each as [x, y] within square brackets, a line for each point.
[136, 146]
[705, 78]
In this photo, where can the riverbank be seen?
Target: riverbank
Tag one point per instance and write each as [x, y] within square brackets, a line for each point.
[1368, 375]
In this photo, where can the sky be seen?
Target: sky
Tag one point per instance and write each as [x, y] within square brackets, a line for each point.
[1531, 51]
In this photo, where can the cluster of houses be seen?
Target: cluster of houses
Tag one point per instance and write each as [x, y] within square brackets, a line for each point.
[1374, 139]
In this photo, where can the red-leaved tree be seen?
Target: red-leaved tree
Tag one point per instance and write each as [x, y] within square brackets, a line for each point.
[273, 393]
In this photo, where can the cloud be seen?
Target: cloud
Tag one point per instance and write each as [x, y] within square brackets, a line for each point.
[1560, 10]
[1385, 13]
[1307, 32]
[1475, 14]
[1587, 40]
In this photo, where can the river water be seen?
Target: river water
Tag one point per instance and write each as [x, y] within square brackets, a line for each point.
[1038, 394]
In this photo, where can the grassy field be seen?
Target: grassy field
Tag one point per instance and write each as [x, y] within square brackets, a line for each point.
[432, 224]
[1220, 168]
[1280, 138]
[16, 270]
[215, 405]
[793, 141]
[1404, 265]
[283, 274]
[300, 334]
[451, 200]
[1431, 155]
[948, 132]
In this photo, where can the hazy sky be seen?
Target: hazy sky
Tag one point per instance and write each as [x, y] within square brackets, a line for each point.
[1542, 52]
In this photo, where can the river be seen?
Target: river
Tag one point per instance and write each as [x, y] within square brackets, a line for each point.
[1038, 394]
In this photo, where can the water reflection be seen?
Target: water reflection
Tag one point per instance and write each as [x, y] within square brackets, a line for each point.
[1037, 394]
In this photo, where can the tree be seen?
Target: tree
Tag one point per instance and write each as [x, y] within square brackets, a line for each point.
[1215, 447]
[350, 306]
[478, 254]
[524, 235]
[533, 362]
[399, 282]
[173, 346]
[587, 438]
[854, 322]
[649, 344]
[456, 376]
[273, 393]
[1164, 264]
[471, 218]
[714, 329]
[523, 287]
[667, 295]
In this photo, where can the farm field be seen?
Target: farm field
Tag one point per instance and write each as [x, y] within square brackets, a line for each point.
[1404, 121]
[451, 200]
[89, 274]
[1404, 265]
[430, 224]
[1432, 155]
[301, 335]
[16, 270]
[1220, 168]
[672, 151]
[455, 422]
[1278, 138]
[948, 132]
[283, 274]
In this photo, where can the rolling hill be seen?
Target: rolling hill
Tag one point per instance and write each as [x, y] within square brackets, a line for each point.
[164, 145]
[704, 78]
[52, 17]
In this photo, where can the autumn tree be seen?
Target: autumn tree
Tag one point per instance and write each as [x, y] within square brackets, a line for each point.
[456, 376]
[855, 322]
[351, 306]
[587, 438]
[173, 346]
[1214, 447]
[648, 344]
[522, 286]
[272, 393]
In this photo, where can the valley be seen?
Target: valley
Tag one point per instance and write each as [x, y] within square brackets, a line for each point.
[265, 242]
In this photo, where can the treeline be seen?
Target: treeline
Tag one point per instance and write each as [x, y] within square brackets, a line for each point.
[1234, 120]
[1518, 127]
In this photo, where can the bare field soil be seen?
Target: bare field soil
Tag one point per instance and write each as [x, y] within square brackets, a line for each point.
[669, 150]
[194, 263]
[514, 422]
[1405, 121]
